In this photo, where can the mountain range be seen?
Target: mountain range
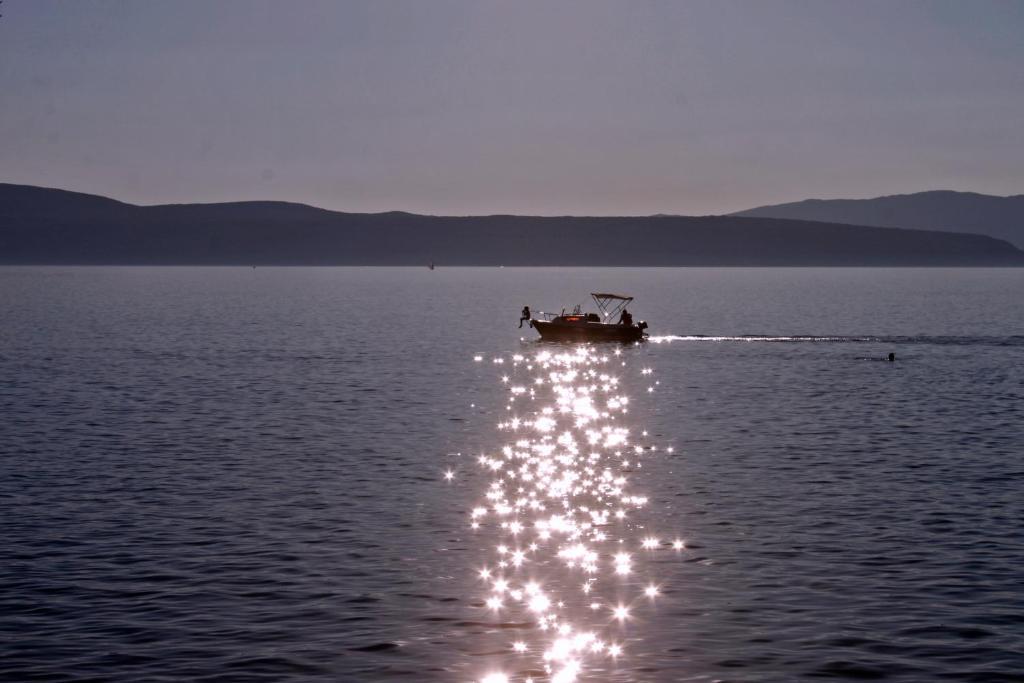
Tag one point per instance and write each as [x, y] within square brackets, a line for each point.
[50, 226]
[981, 214]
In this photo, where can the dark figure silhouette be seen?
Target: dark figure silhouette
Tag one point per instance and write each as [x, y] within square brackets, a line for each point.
[525, 315]
[892, 357]
[625, 318]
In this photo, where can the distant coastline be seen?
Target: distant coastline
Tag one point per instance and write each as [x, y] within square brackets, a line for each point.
[45, 226]
[945, 210]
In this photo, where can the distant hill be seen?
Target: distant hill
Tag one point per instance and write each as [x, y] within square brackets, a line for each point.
[982, 214]
[47, 226]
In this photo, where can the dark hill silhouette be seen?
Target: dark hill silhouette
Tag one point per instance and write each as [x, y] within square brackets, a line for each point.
[43, 226]
[945, 210]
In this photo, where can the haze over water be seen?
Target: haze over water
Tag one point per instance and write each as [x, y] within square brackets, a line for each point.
[240, 474]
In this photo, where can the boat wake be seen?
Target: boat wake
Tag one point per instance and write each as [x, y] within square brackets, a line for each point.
[1013, 340]
[756, 338]
[565, 555]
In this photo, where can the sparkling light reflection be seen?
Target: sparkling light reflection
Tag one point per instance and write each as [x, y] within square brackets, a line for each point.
[557, 516]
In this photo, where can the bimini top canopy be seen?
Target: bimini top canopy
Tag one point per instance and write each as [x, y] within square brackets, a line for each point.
[610, 304]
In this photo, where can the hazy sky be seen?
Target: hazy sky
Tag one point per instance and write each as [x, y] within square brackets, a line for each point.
[575, 107]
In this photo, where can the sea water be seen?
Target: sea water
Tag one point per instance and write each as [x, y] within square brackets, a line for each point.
[267, 474]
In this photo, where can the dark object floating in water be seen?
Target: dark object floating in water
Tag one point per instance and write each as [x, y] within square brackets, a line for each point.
[579, 326]
[892, 357]
[376, 647]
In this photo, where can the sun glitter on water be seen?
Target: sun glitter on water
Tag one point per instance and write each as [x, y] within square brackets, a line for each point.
[566, 571]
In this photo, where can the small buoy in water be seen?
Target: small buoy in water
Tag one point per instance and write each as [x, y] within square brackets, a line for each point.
[892, 357]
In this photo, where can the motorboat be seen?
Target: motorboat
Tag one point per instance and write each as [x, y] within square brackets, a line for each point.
[592, 327]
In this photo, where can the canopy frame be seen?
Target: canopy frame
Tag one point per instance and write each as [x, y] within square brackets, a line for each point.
[610, 304]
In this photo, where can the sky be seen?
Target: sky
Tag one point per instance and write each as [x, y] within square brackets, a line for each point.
[551, 107]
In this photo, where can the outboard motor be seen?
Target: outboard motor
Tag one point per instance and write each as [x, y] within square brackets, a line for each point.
[642, 325]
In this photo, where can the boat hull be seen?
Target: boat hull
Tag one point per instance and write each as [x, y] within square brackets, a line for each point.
[587, 331]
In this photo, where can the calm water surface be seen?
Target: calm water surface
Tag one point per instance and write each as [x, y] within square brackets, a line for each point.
[239, 475]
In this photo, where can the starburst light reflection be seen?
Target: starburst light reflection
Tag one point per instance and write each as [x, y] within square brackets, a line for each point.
[565, 568]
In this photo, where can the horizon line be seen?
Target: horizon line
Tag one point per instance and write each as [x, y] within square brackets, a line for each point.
[657, 214]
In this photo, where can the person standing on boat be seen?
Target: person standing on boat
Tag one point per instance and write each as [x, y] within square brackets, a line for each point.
[625, 318]
[525, 316]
